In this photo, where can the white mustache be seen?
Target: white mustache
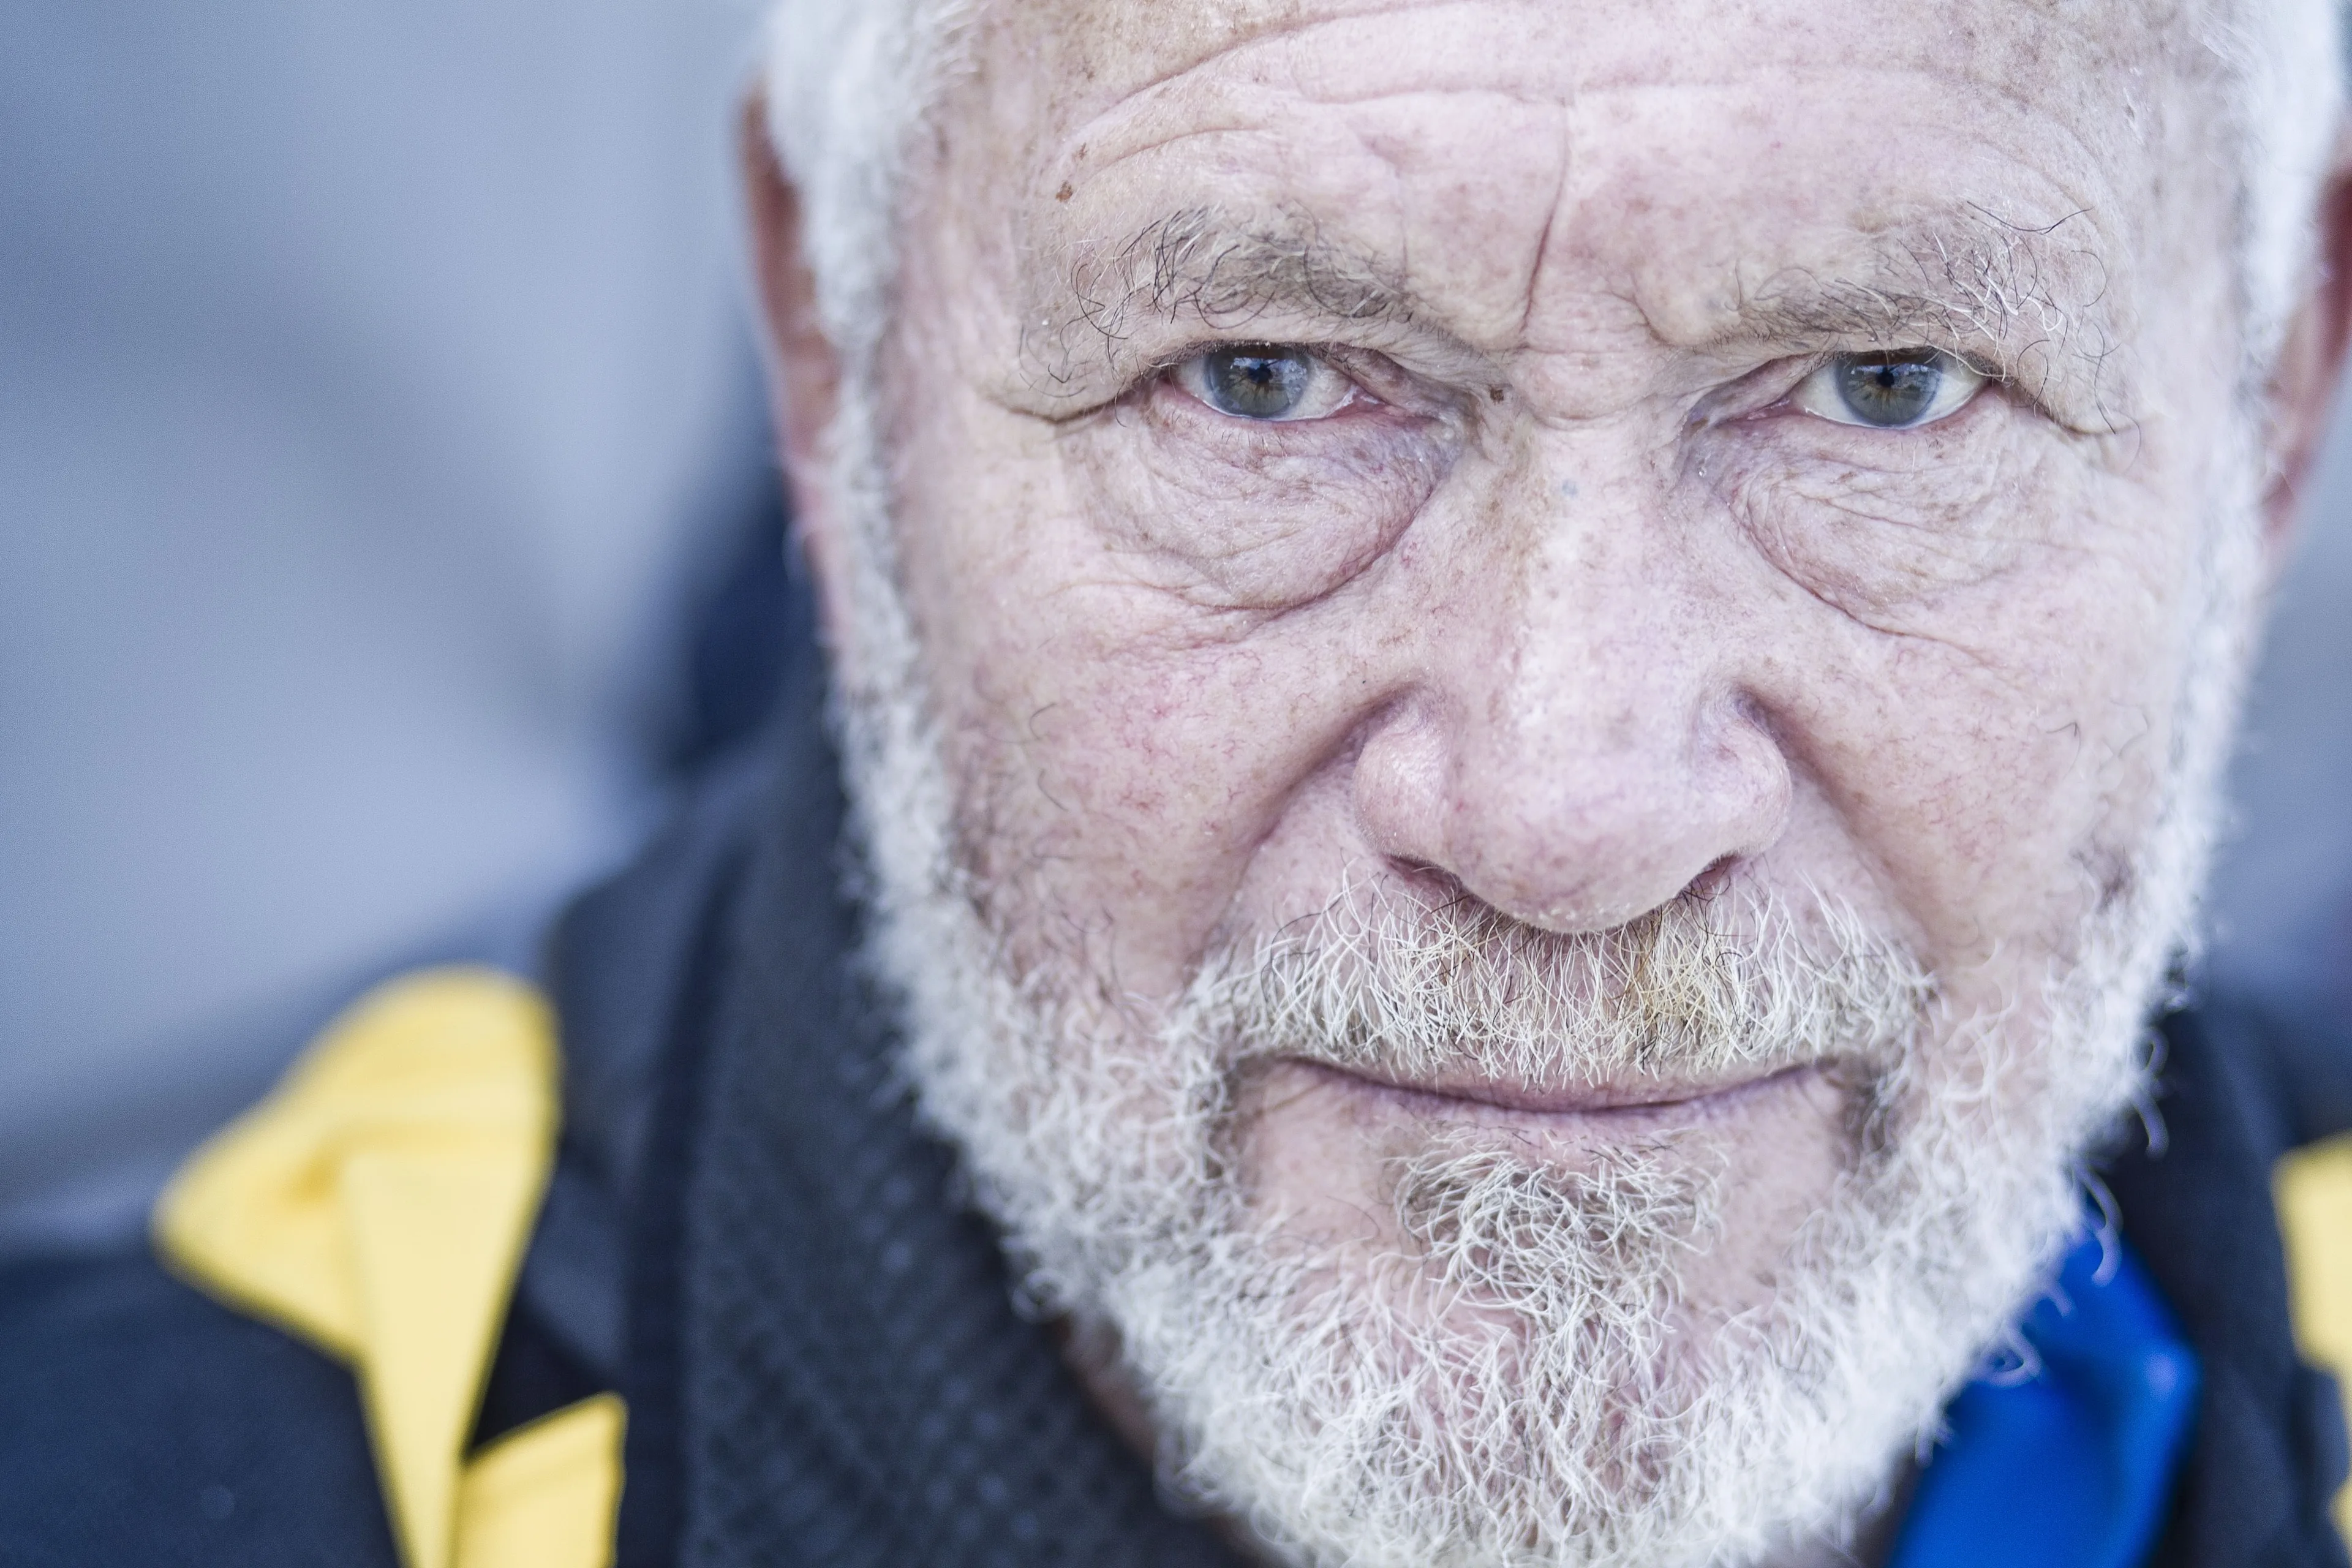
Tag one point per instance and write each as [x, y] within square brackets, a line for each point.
[1702, 988]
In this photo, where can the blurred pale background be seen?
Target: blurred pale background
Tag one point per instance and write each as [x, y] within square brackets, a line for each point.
[373, 380]
[375, 401]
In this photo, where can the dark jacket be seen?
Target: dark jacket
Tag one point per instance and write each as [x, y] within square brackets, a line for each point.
[748, 1236]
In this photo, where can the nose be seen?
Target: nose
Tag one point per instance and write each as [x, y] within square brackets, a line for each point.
[1582, 759]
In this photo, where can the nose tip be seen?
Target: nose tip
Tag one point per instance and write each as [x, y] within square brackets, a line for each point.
[1574, 830]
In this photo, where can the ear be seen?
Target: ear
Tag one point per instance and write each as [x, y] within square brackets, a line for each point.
[803, 368]
[2311, 360]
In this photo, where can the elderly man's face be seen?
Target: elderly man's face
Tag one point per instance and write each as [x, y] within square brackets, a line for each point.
[1719, 528]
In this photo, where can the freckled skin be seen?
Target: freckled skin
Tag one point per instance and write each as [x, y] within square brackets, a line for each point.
[1572, 607]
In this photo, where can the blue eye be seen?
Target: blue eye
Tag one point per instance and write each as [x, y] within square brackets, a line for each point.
[1898, 389]
[1256, 383]
[1881, 389]
[1265, 383]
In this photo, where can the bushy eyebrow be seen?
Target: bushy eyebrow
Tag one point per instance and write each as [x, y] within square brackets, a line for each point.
[1199, 264]
[1196, 264]
[2033, 297]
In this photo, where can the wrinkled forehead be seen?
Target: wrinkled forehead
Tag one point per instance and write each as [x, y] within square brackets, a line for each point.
[1949, 63]
[1510, 159]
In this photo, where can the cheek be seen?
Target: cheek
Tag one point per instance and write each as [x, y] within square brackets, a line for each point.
[1887, 528]
[1228, 517]
[1975, 653]
[1996, 747]
[1095, 729]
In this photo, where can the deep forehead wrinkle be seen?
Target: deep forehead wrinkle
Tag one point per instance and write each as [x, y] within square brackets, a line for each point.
[1255, 41]
[1238, 51]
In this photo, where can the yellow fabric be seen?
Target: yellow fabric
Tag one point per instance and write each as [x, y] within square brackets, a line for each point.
[378, 1204]
[544, 1496]
[2313, 1188]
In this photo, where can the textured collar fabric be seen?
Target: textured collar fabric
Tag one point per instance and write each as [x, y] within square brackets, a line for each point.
[823, 1360]
[2194, 1192]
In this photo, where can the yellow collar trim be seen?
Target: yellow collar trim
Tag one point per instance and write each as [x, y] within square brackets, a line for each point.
[377, 1204]
[2313, 1190]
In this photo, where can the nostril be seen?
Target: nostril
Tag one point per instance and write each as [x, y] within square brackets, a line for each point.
[1429, 877]
[1712, 879]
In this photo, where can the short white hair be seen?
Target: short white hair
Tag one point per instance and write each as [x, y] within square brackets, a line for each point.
[849, 82]
[2284, 67]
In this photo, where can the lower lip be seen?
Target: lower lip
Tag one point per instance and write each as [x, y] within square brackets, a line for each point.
[1508, 1100]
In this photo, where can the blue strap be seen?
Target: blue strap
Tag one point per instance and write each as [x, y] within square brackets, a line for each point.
[2067, 1461]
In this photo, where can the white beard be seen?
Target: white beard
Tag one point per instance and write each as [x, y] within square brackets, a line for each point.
[1519, 1383]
